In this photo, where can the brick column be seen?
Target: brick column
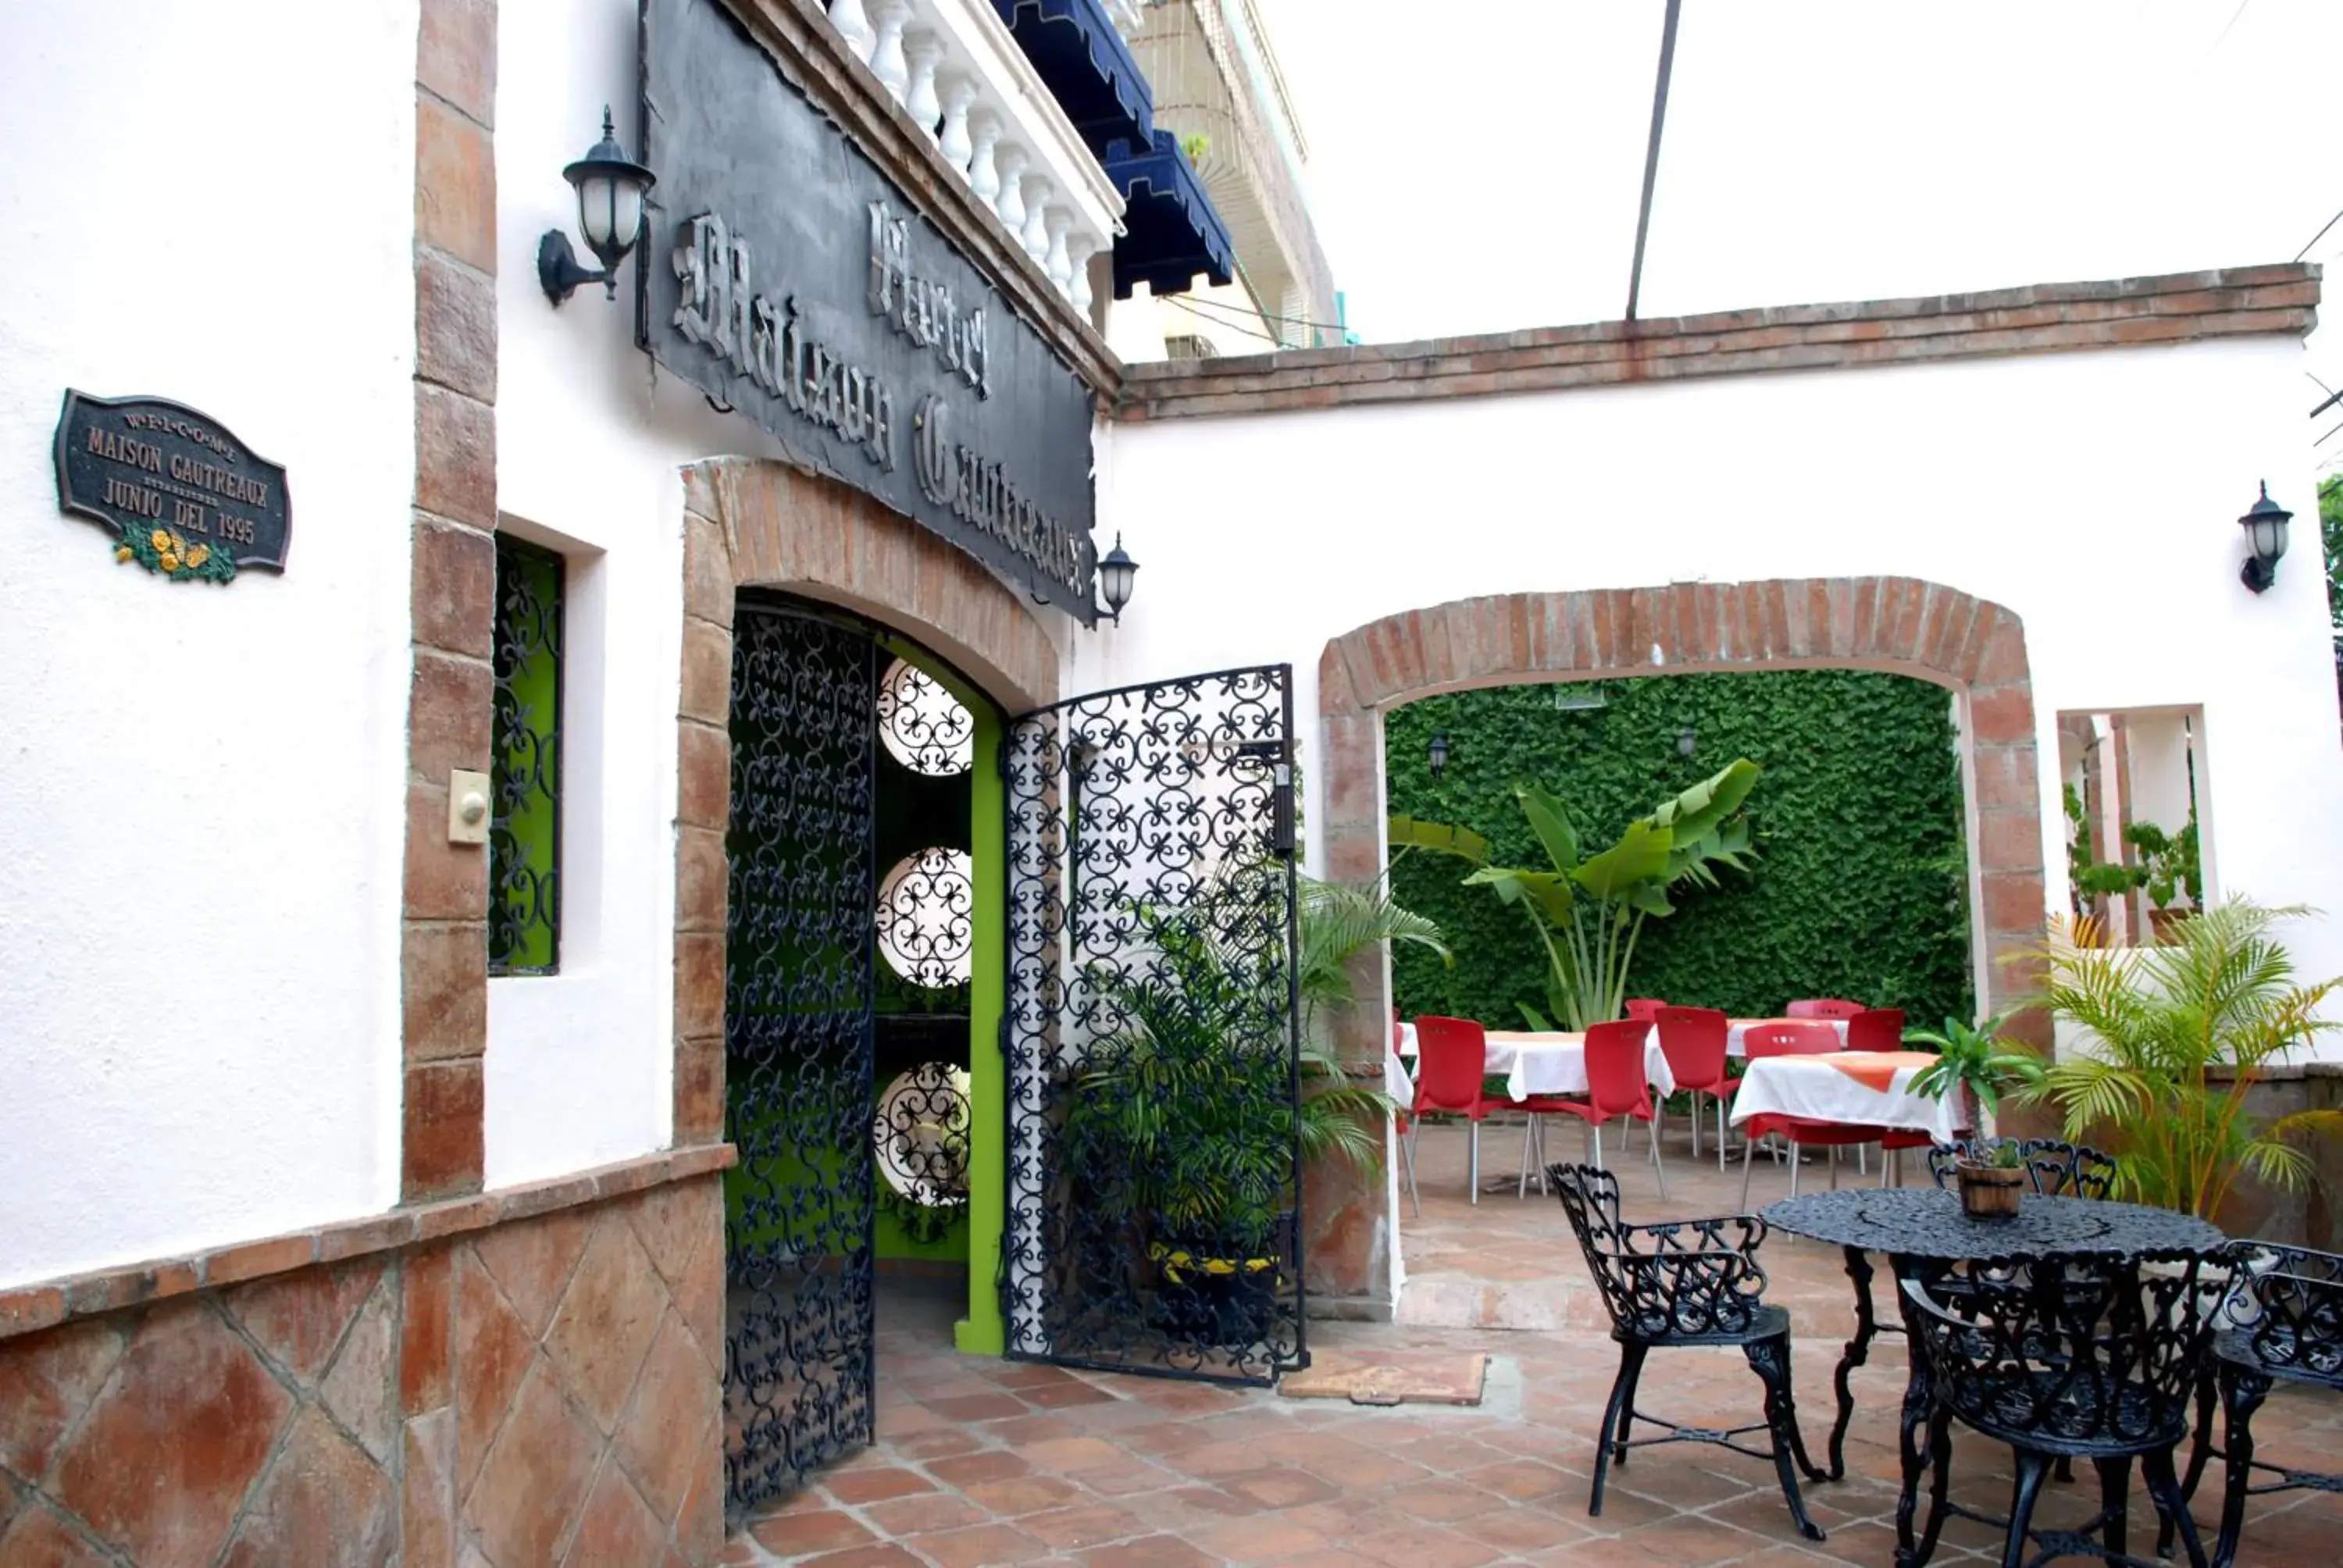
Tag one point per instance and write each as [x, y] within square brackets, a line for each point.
[443, 949]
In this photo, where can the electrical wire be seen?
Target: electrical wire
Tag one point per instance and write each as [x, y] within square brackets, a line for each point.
[1238, 310]
[2314, 239]
[1218, 321]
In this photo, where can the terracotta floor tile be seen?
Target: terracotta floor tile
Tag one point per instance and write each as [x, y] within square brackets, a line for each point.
[1071, 1454]
[1089, 1524]
[1058, 1396]
[938, 1443]
[1152, 1552]
[930, 1511]
[796, 1534]
[889, 1556]
[989, 1464]
[978, 1407]
[1423, 1546]
[870, 1486]
[1255, 1540]
[1013, 1495]
[980, 1545]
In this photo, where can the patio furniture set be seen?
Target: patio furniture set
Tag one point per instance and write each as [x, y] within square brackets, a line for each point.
[2079, 1328]
[1829, 1074]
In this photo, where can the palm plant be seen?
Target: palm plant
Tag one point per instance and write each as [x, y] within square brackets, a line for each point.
[1590, 909]
[1976, 1061]
[2176, 1035]
[1198, 1099]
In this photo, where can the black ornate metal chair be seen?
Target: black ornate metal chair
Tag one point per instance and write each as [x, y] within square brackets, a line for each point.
[2075, 1357]
[2057, 1169]
[1684, 1282]
[2285, 1325]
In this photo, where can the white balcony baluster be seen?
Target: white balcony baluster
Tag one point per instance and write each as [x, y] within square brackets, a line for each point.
[1080, 248]
[1036, 237]
[984, 135]
[1009, 162]
[959, 93]
[887, 56]
[923, 52]
[853, 24]
[1060, 261]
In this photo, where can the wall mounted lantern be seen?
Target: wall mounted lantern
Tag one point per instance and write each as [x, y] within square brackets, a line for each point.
[1438, 753]
[2265, 527]
[611, 188]
[1687, 742]
[1116, 572]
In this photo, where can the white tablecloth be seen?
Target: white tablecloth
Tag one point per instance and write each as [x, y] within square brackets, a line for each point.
[1739, 1028]
[1556, 1063]
[1532, 1063]
[1819, 1088]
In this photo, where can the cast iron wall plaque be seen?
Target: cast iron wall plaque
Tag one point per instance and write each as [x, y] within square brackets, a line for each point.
[784, 276]
[183, 497]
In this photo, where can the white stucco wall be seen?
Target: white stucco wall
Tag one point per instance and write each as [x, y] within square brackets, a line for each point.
[591, 443]
[2093, 494]
[200, 786]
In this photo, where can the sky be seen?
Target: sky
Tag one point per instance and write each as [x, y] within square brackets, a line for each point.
[1484, 175]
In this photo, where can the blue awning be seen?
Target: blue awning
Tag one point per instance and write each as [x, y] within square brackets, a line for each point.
[1172, 230]
[1075, 48]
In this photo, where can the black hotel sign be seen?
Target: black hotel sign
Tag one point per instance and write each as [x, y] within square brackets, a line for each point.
[784, 276]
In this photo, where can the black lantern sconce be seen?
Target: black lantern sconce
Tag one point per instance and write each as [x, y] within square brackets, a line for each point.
[610, 190]
[2265, 525]
[1438, 753]
[1116, 573]
[1687, 742]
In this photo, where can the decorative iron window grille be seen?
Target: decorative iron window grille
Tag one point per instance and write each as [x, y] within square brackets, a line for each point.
[525, 824]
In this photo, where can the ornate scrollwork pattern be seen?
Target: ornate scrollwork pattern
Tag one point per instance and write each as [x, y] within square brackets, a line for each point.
[923, 727]
[920, 1134]
[798, 1046]
[1154, 1155]
[525, 777]
[926, 928]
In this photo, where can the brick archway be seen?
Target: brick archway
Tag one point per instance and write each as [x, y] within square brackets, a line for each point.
[1900, 625]
[754, 523]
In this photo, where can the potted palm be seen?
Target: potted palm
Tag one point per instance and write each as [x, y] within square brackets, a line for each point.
[1977, 1064]
[1205, 1108]
[2171, 1040]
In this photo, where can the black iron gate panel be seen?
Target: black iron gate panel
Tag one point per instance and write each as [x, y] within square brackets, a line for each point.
[798, 1048]
[1149, 1036]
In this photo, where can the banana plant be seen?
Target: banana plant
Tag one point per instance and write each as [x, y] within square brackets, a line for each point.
[1590, 909]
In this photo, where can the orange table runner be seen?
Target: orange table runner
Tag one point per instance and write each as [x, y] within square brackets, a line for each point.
[1875, 1070]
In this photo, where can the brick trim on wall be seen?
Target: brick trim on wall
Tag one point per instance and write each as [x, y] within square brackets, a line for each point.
[443, 945]
[2048, 318]
[757, 524]
[1896, 624]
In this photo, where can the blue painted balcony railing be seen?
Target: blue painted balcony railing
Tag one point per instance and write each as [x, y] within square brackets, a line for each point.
[1172, 230]
[1075, 48]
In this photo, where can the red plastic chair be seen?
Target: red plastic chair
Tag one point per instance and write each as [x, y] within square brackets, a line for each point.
[1616, 1087]
[1875, 1029]
[1451, 1061]
[1644, 1008]
[1822, 1007]
[1813, 1037]
[1882, 1029]
[1693, 1040]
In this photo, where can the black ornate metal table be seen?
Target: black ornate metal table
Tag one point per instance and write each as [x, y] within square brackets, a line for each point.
[1918, 1225]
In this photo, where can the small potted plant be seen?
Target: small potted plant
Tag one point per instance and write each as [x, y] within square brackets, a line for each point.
[1992, 1187]
[1978, 1064]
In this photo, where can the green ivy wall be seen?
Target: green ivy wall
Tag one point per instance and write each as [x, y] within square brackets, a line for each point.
[1861, 890]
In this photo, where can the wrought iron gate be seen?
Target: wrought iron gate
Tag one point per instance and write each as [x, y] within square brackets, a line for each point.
[1149, 1036]
[798, 1046]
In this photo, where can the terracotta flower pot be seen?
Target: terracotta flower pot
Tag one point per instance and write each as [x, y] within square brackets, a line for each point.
[1992, 1191]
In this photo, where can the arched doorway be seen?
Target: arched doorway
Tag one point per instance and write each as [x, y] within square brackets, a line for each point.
[1975, 649]
[843, 670]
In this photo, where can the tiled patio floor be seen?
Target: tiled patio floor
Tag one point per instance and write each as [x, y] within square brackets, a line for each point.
[985, 1462]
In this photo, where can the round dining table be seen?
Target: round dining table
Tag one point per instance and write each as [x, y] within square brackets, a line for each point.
[1915, 1225]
